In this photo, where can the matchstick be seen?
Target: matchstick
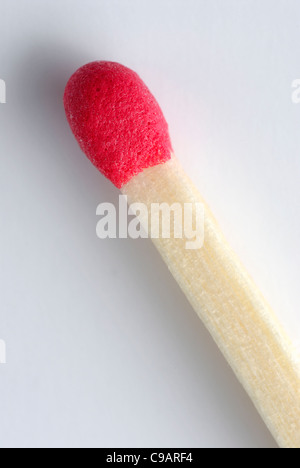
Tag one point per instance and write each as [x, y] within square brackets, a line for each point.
[229, 303]
[120, 127]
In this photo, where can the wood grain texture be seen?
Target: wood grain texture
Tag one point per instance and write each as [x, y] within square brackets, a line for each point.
[230, 305]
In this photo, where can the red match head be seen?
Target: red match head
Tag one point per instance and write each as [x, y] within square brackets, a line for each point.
[116, 120]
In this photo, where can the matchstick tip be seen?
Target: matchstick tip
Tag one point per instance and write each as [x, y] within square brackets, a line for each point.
[116, 120]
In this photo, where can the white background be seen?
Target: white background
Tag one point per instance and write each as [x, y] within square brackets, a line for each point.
[103, 349]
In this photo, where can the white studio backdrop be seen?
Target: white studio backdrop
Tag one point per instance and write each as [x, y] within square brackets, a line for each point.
[102, 348]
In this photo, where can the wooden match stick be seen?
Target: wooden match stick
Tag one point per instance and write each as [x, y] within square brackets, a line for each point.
[229, 303]
[120, 127]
